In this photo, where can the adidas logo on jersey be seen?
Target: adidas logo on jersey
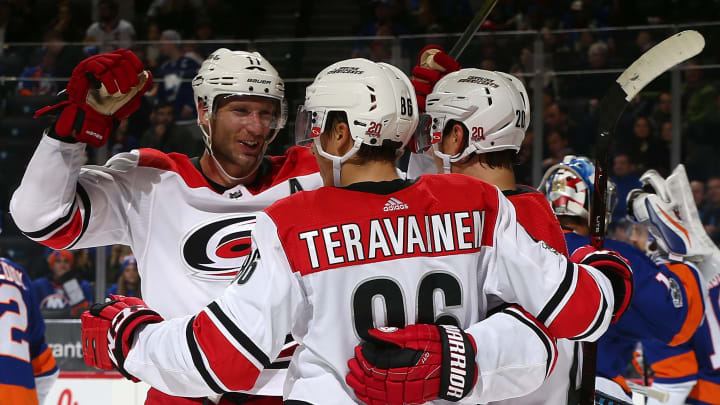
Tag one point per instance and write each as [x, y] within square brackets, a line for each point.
[393, 204]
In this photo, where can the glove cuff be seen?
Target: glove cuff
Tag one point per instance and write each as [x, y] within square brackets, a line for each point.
[90, 127]
[459, 370]
[125, 334]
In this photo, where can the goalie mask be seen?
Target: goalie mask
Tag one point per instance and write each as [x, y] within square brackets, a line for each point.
[240, 74]
[493, 106]
[667, 208]
[377, 98]
[568, 187]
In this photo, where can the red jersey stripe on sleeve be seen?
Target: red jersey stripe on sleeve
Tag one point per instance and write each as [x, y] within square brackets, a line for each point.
[583, 311]
[67, 234]
[233, 368]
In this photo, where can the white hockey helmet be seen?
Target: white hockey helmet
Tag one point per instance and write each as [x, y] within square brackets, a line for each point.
[377, 98]
[238, 73]
[667, 209]
[493, 106]
[568, 187]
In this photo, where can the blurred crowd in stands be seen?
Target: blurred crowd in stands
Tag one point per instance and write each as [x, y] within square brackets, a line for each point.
[41, 41]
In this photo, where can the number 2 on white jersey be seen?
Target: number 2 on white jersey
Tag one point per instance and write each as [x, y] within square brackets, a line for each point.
[11, 319]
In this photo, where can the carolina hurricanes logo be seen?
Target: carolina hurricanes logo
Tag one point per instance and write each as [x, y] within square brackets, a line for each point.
[216, 250]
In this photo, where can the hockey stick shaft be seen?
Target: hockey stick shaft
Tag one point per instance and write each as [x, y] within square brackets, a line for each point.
[660, 58]
[404, 161]
[472, 28]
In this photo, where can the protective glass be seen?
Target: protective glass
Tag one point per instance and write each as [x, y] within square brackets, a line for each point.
[308, 125]
[428, 132]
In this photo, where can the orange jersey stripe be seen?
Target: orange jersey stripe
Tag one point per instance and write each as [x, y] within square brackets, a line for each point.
[676, 366]
[706, 391]
[44, 362]
[695, 304]
[621, 381]
[16, 395]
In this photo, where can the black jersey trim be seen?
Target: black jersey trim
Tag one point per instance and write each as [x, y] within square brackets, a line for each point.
[519, 189]
[380, 187]
[279, 365]
[559, 294]
[543, 337]
[239, 336]
[296, 402]
[197, 358]
[87, 210]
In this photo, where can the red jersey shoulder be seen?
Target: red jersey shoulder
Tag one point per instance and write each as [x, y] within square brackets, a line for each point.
[535, 215]
[338, 227]
[173, 162]
[297, 161]
[437, 193]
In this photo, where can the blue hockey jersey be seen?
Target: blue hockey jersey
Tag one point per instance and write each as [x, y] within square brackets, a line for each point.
[667, 307]
[27, 365]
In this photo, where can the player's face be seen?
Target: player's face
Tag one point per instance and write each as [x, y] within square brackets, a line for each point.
[639, 237]
[239, 133]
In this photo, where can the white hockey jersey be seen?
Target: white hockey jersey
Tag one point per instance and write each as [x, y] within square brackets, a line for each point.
[189, 239]
[332, 263]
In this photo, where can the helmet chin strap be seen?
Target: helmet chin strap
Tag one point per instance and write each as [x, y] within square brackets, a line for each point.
[337, 161]
[446, 159]
[208, 145]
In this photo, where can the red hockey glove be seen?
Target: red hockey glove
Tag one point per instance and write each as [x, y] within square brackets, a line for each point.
[108, 330]
[103, 89]
[614, 267]
[413, 365]
[433, 64]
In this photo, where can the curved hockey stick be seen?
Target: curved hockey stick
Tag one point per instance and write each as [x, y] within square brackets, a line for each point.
[659, 59]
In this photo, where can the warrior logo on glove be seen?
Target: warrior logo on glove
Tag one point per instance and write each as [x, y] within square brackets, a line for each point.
[416, 364]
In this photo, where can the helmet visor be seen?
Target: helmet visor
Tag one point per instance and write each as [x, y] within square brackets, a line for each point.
[308, 125]
[428, 132]
[267, 112]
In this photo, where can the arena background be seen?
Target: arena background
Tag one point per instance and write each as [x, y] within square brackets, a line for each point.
[567, 52]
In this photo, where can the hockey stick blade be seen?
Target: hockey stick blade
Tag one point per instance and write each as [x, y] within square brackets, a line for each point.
[662, 396]
[656, 61]
[659, 59]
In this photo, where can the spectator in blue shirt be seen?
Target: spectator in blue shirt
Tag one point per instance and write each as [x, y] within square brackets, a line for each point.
[63, 289]
[175, 74]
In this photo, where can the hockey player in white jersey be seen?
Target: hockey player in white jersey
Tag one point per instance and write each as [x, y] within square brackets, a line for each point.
[474, 124]
[374, 258]
[188, 221]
